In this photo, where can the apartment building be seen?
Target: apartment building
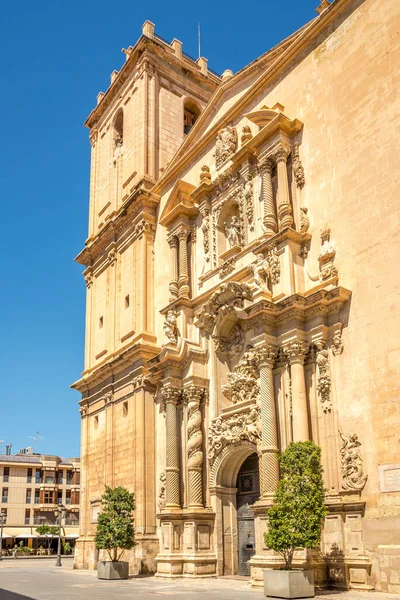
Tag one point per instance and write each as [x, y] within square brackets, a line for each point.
[32, 485]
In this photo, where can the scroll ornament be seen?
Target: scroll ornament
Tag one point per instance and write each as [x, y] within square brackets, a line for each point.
[353, 476]
[233, 430]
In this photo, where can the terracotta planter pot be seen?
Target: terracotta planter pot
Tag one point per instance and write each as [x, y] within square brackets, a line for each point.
[107, 569]
[289, 584]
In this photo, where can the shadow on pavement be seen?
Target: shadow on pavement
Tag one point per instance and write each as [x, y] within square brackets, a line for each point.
[6, 595]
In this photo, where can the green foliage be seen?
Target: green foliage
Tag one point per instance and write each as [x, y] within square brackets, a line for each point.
[49, 531]
[115, 523]
[24, 549]
[66, 547]
[296, 519]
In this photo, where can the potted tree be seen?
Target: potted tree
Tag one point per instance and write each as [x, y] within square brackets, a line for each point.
[115, 532]
[296, 519]
[49, 532]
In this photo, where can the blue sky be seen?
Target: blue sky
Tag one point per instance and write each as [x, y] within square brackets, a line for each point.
[55, 56]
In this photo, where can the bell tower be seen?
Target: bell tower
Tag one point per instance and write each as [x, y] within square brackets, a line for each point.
[136, 128]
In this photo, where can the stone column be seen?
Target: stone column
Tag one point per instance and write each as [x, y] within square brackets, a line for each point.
[171, 396]
[295, 353]
[183, 264]
[173, 286]
[193, 394]
[269, 468]
[284, 207]
[269, 220]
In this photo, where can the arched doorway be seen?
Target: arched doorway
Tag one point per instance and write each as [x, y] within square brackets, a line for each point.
[248, 492]
[225, 475]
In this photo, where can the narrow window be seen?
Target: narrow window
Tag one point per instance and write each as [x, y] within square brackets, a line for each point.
[101, 323]
[27, 516]
[6, 474]
[29, 476]
[119, 129]
[127, 301]
[96, 422]
[191, 113]
[4, 495]
[125, 409]
[28, 496]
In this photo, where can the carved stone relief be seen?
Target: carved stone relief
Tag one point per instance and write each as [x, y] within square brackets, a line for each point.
[246, 134]
[298, 169]
[170, 327]
[352, 464]
[326, 255]
[247, 200]
[229, 297]
[324, 378]
[161, 495]
[205, 175]
[337, 344]
[225, 145]
[304, 219]
[227, 267]
[232, 344]
[243, 381]
[267, 270]
[205, 228]
[232, 430]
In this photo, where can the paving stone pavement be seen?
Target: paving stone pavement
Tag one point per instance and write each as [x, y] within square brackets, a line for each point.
[37, 579]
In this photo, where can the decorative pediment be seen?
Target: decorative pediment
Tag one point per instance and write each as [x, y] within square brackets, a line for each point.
[179, 203]
[266, 116]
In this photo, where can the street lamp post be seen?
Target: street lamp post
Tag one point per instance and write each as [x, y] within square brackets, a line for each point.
[3, 518]
[59, 513]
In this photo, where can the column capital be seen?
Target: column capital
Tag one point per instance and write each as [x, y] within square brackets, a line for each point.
[267, 355]
[266, 164]
[173, 241]
[183, 233]
[281, 153]
[296, 351]
[171, 395]
[193, 393]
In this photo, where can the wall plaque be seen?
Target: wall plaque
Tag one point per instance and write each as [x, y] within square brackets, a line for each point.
[390, 478]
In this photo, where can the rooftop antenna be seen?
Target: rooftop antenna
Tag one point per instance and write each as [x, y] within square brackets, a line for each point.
[36, 437]
[198, 36]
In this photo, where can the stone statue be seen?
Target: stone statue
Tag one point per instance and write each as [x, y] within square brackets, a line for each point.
[161, 495]
[232, 232]
[170, 327]
[353, 476]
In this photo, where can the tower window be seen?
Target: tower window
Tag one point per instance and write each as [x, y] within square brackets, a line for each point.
[101, 321]
[125, 409]
[127, 301]
[119, 129]
[96, 422]
[191, 113]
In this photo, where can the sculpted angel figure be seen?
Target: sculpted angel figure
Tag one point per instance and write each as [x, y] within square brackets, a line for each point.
[170, 327]
[232, 232]
[261, 272]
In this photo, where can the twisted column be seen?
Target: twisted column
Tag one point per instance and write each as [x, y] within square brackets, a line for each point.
[183, 264]
[284, 207]
[193, 395]
[295, 353]
[269, 468]
[269, 220]
[173, 286]
[171, 396]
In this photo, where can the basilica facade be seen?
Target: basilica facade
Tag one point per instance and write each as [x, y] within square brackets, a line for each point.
[242, 294]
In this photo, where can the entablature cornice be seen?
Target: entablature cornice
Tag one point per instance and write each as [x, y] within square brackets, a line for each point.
[139, 352]
[136, 216]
